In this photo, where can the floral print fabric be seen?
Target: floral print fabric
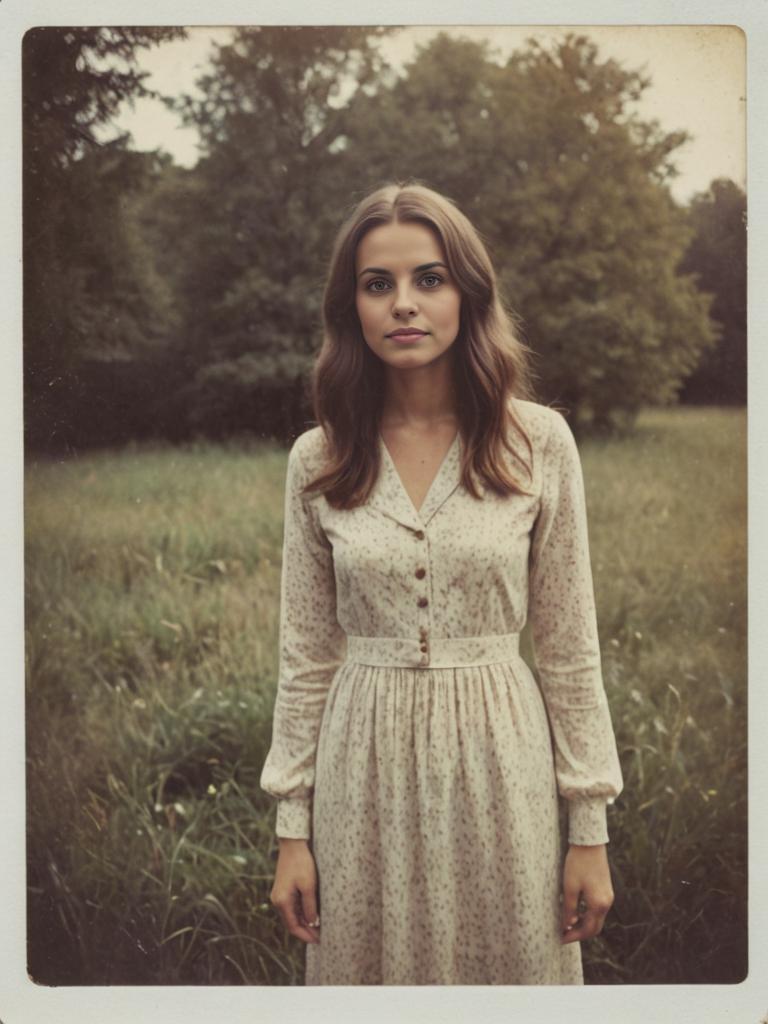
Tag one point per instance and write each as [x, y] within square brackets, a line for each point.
[412, 744]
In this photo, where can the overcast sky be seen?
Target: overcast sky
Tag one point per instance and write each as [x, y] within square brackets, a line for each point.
[697, 75]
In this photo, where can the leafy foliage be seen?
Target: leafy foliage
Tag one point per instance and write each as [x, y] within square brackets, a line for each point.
[91, 294]
[717, 255]
[570, 190]
[258, 215]
[175, 302]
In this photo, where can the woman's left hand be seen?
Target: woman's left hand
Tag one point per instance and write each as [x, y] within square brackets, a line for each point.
[586, 877]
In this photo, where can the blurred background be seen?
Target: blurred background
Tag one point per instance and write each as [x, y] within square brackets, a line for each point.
[182, 189]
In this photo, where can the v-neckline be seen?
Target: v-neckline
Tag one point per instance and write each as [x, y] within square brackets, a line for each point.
[433, 485]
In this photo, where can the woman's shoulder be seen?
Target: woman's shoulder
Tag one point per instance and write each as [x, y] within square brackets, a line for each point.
[310, 451]
[540, 422]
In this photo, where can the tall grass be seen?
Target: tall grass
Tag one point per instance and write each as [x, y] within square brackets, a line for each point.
[152, 585]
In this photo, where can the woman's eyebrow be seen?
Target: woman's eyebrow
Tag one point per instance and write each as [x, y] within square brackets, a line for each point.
[416, 270]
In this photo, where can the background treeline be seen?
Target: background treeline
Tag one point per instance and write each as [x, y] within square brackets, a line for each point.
[173, 303]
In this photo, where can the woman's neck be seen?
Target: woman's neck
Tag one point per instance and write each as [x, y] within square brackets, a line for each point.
[420, 397]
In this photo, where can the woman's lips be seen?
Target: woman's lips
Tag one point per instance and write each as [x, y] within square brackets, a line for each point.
[408, 335]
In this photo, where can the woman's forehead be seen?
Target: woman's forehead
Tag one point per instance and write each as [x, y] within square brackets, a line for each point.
[398, 244]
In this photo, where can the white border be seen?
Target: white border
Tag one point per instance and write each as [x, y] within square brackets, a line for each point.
[22, 1002]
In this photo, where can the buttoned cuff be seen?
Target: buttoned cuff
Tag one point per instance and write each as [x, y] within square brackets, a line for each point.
[587, 821]
[294, 818]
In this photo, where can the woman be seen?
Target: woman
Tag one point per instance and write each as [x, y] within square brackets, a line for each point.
[415, 759]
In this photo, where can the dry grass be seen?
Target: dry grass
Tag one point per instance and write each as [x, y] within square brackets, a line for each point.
[152, 583]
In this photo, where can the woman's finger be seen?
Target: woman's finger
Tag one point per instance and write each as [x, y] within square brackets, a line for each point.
[589, 924]
[569, 913]
[309, 912]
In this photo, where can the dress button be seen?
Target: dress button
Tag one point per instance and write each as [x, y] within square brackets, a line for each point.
[419, 535]
[423, 648]
[420, 574]
[422, 602]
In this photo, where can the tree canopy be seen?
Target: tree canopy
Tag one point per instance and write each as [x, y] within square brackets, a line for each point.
[570, 189]
[90, 293]
[717, 256]
[208, 280]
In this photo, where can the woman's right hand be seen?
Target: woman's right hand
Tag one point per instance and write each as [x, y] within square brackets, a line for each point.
[294, 892]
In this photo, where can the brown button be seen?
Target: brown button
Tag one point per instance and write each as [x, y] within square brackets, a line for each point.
[422, 602]
[420, 574]
[419, 535]
[423, 648]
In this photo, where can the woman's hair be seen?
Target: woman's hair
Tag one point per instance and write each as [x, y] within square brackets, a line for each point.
[490, 362]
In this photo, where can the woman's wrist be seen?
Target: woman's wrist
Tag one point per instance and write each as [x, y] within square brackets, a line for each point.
[587, 821]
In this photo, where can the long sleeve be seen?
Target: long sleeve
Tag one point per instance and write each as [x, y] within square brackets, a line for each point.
[311, 649]
[566, 646]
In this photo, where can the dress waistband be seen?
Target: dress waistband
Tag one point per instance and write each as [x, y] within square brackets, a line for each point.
[433, 652]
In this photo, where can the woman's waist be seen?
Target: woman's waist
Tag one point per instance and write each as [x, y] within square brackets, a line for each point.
[427, 651]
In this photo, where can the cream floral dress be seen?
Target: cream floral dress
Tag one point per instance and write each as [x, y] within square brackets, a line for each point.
[411, 742]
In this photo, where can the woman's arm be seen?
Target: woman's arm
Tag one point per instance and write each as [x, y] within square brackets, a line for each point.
[311, 649]
[566, 646]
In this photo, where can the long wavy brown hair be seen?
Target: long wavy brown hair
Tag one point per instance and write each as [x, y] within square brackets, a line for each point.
[490, 361]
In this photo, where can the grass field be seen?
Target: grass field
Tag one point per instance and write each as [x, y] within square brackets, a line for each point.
[152, 598]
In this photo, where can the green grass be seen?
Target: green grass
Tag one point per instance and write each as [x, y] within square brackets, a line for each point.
[152, 586]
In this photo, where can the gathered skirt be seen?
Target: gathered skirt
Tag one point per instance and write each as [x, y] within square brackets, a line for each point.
[436, 831]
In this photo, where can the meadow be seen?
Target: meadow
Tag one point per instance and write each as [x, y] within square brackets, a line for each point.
[152, 578]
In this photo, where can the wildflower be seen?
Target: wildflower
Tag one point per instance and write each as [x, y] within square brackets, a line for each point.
[211, 790]
[614, 642]
[139, 703]
[638, 635]
[179, 808]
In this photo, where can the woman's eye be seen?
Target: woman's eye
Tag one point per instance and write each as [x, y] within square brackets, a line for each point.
[377, 285]
[431, 280]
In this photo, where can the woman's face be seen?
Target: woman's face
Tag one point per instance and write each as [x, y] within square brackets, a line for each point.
[406, 299]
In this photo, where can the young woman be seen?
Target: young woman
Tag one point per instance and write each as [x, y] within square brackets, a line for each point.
[415, 759]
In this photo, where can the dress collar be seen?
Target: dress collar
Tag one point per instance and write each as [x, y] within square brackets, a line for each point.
[390, 496]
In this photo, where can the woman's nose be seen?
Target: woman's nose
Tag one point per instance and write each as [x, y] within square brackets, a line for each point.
[404, 302]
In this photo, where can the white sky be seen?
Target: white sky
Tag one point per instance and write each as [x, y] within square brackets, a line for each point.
[697, 72]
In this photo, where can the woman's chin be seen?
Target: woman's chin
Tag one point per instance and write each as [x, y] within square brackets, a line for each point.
[413, 359]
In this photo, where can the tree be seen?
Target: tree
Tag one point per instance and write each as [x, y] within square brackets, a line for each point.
[257, 216]
[570, 190]
[90, 295]
[717, 256]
